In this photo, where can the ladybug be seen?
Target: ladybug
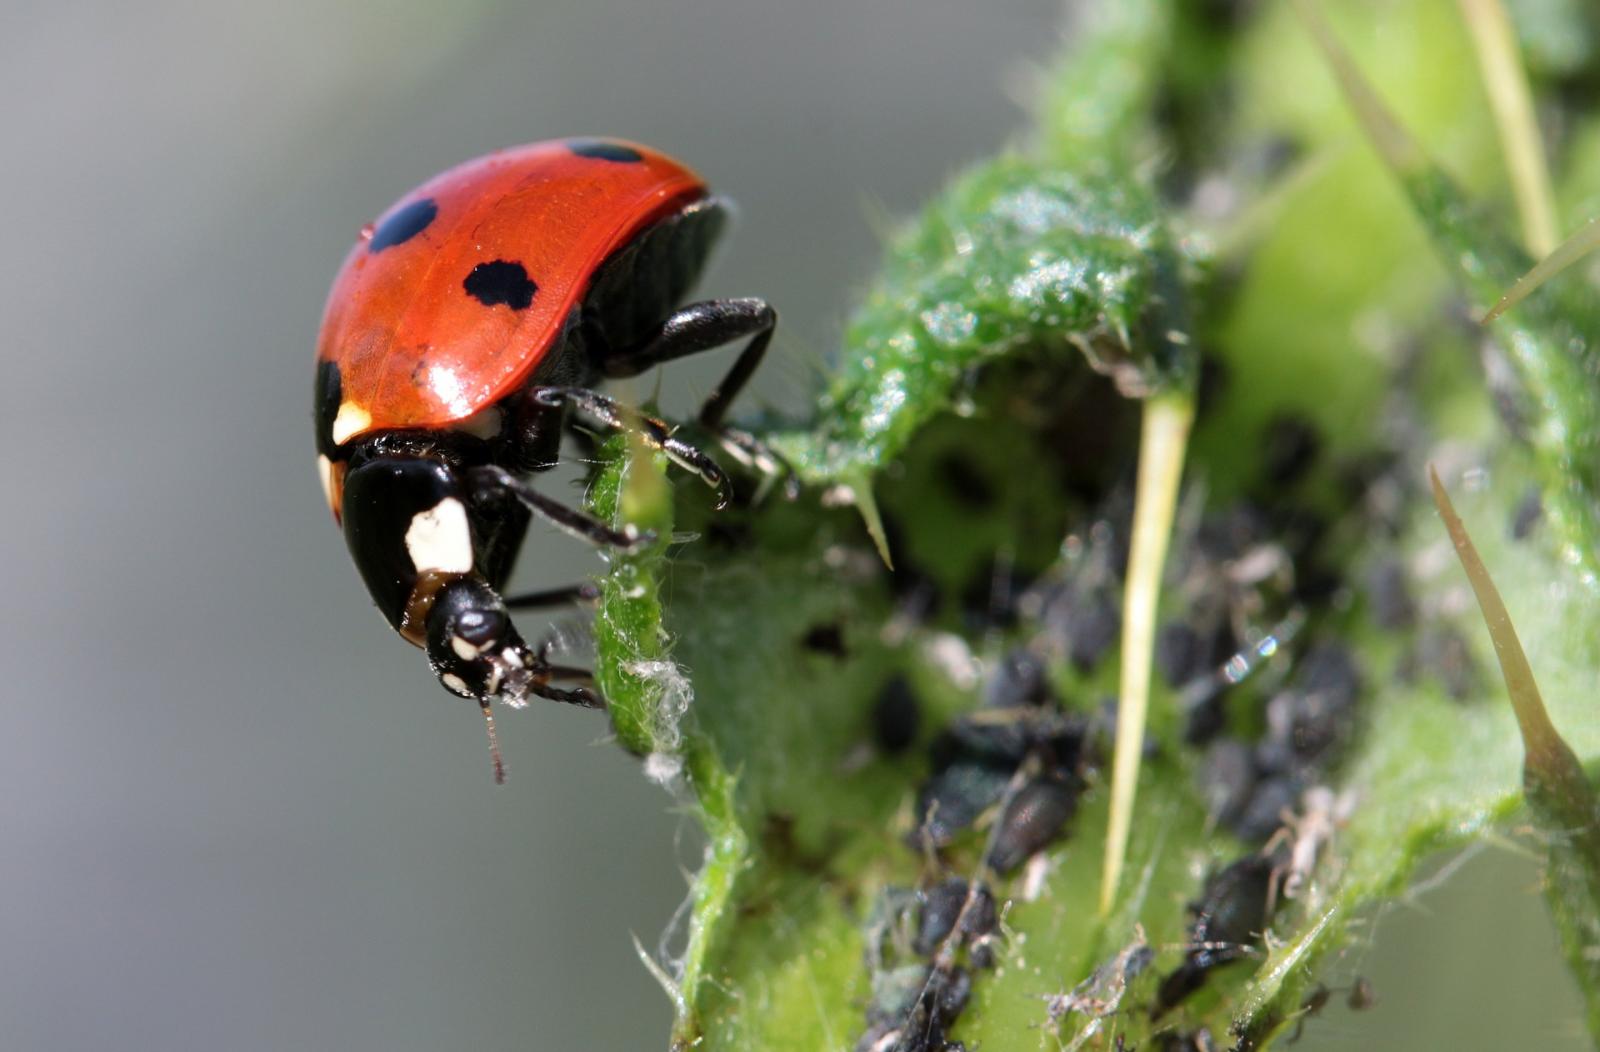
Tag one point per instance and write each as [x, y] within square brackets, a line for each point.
[464, 334]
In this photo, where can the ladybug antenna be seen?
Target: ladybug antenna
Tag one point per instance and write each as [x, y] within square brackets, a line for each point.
[494, 747]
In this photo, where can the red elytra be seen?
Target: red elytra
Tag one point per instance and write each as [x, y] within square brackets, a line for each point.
[414, 350]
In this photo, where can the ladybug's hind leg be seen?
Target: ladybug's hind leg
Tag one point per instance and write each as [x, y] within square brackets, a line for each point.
[701, 327]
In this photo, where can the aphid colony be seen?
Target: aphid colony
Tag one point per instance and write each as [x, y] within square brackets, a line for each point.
[1267, 698]
[922, 946]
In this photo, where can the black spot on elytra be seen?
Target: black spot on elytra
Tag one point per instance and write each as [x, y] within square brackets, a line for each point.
[404, 224]
[601, 150]
[328, 396]
[501, 281]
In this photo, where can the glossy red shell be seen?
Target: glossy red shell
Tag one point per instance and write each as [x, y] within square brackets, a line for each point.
[414, 347]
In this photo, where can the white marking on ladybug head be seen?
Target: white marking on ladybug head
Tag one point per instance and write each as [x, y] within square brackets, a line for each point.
[439, 539]
[325, 472]
[351, 421]
[455, 684]
[464, 650]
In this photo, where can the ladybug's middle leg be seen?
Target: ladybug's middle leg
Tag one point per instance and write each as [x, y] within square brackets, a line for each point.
[706, 326]
[603, 410]
[491, 480]
[587, 592]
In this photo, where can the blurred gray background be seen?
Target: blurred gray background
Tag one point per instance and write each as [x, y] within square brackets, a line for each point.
[237, 813]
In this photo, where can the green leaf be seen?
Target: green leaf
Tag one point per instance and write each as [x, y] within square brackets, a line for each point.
[1016, 255]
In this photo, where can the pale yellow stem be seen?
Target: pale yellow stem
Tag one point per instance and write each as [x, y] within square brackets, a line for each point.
[1509, 96]
[1162, 441]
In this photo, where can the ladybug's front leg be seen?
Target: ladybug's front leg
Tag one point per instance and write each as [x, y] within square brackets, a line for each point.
[585, 696]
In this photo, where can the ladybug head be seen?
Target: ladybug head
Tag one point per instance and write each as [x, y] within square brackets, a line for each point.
[475, 650]
[477, 653]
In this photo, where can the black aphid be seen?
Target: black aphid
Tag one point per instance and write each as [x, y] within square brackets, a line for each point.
[1389, 595]
[1289, 450]
[952, 799]
[1019, 679]
[1033, 818]
[942, 907]
[896, 716]
[1227, 779]
[1527, 515]
[1230, 918]
[826, 638]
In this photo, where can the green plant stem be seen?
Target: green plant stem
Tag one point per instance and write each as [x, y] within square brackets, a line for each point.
[727, 854]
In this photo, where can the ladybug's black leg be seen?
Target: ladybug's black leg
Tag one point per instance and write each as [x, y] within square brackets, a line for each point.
[491, 479]
[762, 458]
[540, 446]
[580, 696]
[584, 696]
[540, 683]
[573, 593]
[599, 408]
[573, 696]
[706, 326]
[703, 327]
